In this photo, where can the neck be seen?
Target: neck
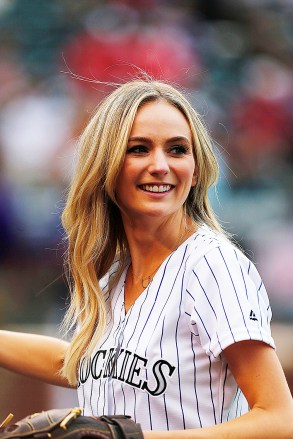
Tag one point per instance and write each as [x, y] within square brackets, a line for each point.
[150, 246]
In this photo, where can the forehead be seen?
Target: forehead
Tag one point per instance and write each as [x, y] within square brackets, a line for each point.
[160, 117]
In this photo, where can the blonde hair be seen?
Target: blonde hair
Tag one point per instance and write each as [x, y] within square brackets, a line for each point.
[91, 217]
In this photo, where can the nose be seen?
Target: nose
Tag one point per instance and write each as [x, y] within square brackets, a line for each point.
[158, 162]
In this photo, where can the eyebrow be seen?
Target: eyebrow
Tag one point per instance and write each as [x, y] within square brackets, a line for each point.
[146, 139]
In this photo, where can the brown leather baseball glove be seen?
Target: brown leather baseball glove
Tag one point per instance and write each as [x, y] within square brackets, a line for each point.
[70, 424]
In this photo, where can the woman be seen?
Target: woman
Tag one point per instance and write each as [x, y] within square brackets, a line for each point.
[171, 320]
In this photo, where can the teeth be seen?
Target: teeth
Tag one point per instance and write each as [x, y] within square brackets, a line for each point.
[155, 188]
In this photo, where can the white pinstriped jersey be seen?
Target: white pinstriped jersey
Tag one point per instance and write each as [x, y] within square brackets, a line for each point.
[162, 362]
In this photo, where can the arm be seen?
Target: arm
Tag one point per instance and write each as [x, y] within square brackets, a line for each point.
[35, 356]
[258, 372]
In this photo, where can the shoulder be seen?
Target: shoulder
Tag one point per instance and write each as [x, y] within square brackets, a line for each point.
[211, 255]
[225, 295]
[209, 243]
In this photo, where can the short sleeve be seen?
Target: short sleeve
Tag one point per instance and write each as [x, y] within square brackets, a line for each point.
[227, 301]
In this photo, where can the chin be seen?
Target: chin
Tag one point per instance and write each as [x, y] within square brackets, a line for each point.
[159, 213]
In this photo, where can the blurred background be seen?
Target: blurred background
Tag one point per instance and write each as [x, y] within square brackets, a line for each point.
[234, 60]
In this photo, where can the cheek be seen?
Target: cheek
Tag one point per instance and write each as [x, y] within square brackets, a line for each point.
[126, 179]
[189, 174]
[123, 174]
[128, 171]
[194, 177]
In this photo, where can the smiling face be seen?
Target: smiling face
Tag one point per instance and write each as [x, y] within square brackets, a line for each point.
[159, 167]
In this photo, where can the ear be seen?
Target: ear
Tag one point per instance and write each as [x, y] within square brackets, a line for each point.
[194, 177]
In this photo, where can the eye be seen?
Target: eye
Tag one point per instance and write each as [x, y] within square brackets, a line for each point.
[179, 149]
[137, 149]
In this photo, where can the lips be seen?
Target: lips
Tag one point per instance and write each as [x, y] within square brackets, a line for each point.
[157, 188]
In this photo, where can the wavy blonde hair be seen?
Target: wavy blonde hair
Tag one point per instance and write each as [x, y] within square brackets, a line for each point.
[91, 218]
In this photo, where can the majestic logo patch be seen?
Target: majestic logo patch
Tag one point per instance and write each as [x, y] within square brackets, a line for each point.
[252, 316]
